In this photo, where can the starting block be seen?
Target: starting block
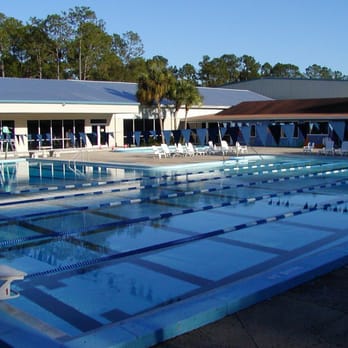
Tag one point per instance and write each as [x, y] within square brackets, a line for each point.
[7, 276]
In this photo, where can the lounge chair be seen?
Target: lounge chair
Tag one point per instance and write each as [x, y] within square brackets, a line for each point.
[329, 148]
[343, 150]
[157, 152]
[224, 147]
[309, 147]
[212, 148]
[167, 151]
[180, 150]
[7, 276]
[201, 151]
[241, 149]
[190, 149]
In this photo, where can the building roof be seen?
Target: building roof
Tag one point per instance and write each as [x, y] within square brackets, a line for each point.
[21, 90]
[283, 109]
[284, 88]
[60, 91]
[294, 106]
[224, 97]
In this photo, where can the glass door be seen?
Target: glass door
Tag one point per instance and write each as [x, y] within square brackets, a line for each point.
[99, 136]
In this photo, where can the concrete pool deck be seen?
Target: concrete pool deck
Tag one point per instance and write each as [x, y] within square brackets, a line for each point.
[314, 314]
[147, 159]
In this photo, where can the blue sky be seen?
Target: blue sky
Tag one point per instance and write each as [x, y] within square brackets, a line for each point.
[300, 32]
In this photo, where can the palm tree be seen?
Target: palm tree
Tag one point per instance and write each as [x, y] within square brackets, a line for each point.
[184, 92]
[154, 84]
[177, 95]
[192, 97]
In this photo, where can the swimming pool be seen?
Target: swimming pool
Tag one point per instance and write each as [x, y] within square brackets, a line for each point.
[124, 254]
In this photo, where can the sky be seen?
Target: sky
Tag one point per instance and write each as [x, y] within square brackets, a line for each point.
[299, 32]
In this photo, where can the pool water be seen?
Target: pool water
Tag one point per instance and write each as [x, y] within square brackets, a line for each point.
[104, 245]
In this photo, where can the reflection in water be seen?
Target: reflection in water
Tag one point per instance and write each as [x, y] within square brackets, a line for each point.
[21, 174]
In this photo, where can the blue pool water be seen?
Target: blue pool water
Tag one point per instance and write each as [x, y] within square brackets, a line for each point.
[103, 246]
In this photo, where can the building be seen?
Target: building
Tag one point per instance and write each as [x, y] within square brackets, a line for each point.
[61, 114]
[300, 111]
[290, 123]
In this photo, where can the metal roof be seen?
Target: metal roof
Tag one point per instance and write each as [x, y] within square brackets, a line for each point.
[22, 90]
[51, 91]
[291, 106]
[324, 108]
[224, 97]
[283, 88]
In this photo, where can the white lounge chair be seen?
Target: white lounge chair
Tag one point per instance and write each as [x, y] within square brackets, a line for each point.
[167, 151]
[241, 149]
[309, 147]
[190, 149]
[157, 152]
[180, 150]
[343, 150]
[7, 276]
[201, 151]
[329, 147]
[212, 148]
[224, 147]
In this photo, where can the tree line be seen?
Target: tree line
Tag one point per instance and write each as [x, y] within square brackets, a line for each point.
[75, 45]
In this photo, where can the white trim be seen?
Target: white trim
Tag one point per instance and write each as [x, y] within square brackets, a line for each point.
[65, 108]
[127, 116]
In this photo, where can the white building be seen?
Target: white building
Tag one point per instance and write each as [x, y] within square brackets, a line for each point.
[61, 114]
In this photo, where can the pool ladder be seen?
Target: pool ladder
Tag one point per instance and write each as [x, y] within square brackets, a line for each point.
[72, 163]
[256, 152]
[74, 169]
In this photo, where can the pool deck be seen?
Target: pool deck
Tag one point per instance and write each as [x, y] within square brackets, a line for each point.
[314, 314]
[148, 159]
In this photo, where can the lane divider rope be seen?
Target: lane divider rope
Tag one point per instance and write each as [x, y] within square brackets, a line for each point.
[166, 215]
[160, 185]
[153, 177]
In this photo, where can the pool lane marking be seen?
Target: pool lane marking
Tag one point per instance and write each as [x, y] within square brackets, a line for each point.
[165, 176]
[172, 183]
[177, 242]
[93, 228]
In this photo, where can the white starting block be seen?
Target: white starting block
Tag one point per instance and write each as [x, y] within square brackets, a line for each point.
[7, 276]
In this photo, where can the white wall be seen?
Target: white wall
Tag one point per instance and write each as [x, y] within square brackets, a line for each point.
[114, 114]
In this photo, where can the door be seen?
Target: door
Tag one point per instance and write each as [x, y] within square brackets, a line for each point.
[99, 136]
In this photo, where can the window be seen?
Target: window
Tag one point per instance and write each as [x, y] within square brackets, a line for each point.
[282, 133]
[253, 130]
[54, 133]
[7, 135]
[296, 131]
[45, 131]
[57, 134]
[33, 131]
